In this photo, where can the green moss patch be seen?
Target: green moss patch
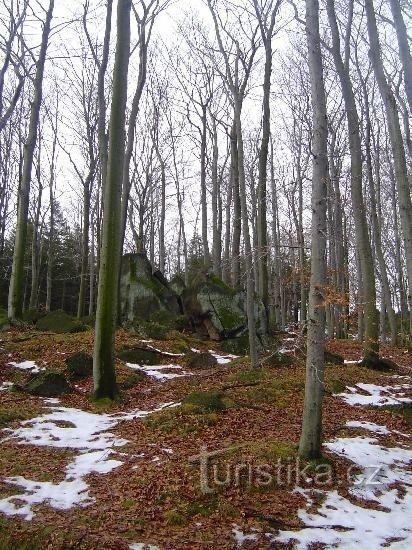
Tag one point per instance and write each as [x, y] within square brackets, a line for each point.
[132, 380]
[80, 365]
[203, 401]
[59, 322]
[139, 356]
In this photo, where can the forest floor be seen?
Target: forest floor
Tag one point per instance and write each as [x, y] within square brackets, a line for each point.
[74, 474]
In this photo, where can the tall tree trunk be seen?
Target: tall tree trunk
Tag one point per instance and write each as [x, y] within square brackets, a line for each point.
[15, 299]
[203, 189]
[162, 249]
[84, 269]
[404, 51]
[91, 273]
[103, 365]
[250, 288]
[311, 437]
[371, 318]
[237, 216]
[398, 151]
[216, 211]
[35, 249]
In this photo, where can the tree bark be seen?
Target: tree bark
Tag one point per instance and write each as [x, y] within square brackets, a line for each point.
[371, 318]
[404, 51]
[15, 299]
[103, 364]
[398, 151]
[311, 436]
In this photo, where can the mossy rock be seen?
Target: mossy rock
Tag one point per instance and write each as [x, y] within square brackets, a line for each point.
[88, 320]
[154, 330]
[32, 316]
[277, 359]
[80, 365]
[132, 380]
[333, 358]
[203, 402]
[202, 360]
[177, 342]
[47, 384]
[236, 346]
[139, 356]
[379, 364]
[60, 322]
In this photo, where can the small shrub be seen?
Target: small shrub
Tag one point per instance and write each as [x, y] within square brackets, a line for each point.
[174, 518]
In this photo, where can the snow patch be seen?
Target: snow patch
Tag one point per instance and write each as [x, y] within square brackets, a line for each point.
[223, 359]
[167, 353]
[26, 365]
[67, 428]
[370, 426]
[155, 371]
[6, 386]
[377, 395]
[340, 522]
[241, 537]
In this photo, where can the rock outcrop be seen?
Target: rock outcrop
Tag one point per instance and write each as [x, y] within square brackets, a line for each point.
[144, 293]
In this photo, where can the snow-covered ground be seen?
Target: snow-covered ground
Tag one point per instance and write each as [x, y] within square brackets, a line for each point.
[223, 359]
[26, 365]
[155, 371]
[347, 523]
[68, 428]
[378, 396]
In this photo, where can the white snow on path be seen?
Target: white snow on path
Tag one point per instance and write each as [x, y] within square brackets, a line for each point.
[378, 396]
[223, 359]
[370, 426]
[6, 386]
[26, 365]
[67, 428]
[155, 371]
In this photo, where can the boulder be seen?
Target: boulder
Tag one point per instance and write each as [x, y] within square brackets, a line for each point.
[60, 322]
[47, 384]
[202, 360]
[140, 356]
[144, 293]
[215, 309]
[80, 365]
[333, 358]
[177, 284]
[379, 363]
